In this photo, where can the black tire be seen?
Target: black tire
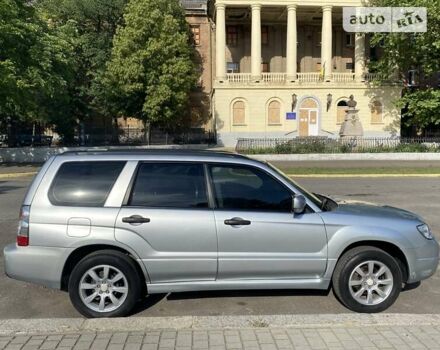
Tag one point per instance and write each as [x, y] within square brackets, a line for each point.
[349, 261]
[115, 259]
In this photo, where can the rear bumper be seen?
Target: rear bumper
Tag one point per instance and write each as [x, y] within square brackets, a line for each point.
[423, 261]
[40, 265]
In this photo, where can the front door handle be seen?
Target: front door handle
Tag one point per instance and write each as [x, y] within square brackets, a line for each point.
[135, 219]
[237, 222]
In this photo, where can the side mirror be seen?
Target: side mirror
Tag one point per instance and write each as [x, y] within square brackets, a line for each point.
[299, 204]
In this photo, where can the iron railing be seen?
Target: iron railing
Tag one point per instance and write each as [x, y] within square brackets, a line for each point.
[320, 144]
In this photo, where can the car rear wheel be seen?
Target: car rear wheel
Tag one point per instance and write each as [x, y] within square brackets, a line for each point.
[367, 279]
[105, 284]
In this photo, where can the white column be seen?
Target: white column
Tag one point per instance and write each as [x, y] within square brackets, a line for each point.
[220, 37]
[256, 42]
[326, 42]
[291, 47]
[359, 57]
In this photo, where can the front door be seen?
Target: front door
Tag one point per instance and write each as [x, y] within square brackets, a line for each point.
[258, 235]
[168, 208]
[308, 118]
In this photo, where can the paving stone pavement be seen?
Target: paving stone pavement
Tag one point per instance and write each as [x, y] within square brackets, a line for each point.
[333, 338]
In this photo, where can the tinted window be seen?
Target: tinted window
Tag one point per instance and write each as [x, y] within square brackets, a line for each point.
[170, 185]
[84, 184]
[247, 188]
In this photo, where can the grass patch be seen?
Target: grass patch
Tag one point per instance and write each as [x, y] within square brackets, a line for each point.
[359, 171]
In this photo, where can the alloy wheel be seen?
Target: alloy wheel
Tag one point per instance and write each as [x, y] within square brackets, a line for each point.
[371, 282]
[103, 288]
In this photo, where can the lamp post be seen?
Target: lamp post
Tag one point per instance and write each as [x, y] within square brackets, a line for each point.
[329, 101]
[294, 101]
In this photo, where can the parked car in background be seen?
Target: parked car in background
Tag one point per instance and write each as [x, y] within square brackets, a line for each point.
[110, 227]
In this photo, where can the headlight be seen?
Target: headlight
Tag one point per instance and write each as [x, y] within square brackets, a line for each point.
[425, 231]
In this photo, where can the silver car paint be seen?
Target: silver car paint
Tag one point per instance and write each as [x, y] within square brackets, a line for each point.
[193, 250]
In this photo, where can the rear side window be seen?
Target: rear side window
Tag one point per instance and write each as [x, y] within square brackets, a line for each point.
[170, 185]
[84, 184]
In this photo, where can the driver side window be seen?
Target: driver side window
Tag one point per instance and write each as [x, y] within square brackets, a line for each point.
[248, 188]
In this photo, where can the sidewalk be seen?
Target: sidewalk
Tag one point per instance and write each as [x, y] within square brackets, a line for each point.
[350, 331]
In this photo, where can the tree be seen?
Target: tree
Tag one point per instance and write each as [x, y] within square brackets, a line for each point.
[413, 51]
[151, 70]
[34, 64]
[92, 25]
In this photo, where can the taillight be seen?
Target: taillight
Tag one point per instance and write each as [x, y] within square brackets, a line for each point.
[23, 226]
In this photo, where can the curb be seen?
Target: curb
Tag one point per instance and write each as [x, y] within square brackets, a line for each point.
[76, 325]
[361, 175]
[404, 156]
[12, 175]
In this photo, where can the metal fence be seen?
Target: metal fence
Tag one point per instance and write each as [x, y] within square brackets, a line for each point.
[342, 145]
[137, 136]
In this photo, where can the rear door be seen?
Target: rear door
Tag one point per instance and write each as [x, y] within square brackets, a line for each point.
[168, 207]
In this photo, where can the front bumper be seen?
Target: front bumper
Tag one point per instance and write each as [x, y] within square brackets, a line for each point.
[423, 261]
[40, 265]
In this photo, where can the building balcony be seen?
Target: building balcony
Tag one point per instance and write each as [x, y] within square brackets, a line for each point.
[308, 78]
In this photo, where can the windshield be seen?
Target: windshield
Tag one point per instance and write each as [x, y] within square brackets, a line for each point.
[310, 196]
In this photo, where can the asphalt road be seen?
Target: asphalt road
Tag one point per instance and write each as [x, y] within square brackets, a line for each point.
[422, 195]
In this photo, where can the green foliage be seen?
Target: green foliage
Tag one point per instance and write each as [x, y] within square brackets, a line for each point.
[326, 146]
[92, 25]
[34, 64]
[151, 70]
[420, 51]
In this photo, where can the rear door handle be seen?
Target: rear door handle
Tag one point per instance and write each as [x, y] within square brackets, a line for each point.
[237, 222]
[135, 219]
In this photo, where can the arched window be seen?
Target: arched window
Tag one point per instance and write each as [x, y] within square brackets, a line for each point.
[238, 113]
[341, 108]
[376, 112]
[274, 113]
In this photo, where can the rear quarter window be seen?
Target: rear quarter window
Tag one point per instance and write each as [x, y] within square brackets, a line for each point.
[84, 184]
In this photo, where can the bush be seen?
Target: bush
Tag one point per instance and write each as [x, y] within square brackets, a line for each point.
[326, 145]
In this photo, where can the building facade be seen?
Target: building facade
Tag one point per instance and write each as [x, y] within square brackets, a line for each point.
[196, 13]
[285, 68]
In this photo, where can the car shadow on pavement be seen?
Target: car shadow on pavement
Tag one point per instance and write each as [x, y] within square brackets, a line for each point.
[147, 302]
[246, 293]
[153, 299]
[7, 188]
[411, 286]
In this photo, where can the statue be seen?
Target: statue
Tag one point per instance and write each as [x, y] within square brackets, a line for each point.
[351, 126]
[351, 102]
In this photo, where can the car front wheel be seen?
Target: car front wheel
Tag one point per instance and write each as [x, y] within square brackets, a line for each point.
[105, 284]
[367, 279]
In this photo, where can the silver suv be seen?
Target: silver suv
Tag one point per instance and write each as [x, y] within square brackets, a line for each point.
[110, 227]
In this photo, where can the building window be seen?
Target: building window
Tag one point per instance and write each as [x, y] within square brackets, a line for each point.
[232, 35]
[265, 35]
[318, 67]
[349, 40]
[233, 67]
[349, 66]
[376, 112]
[265, 67]
[341, 109]
[195, 30]
[238, 113]
[274, 113]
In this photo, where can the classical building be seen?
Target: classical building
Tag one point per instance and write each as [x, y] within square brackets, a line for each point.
[196, 13]
[285, 68]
